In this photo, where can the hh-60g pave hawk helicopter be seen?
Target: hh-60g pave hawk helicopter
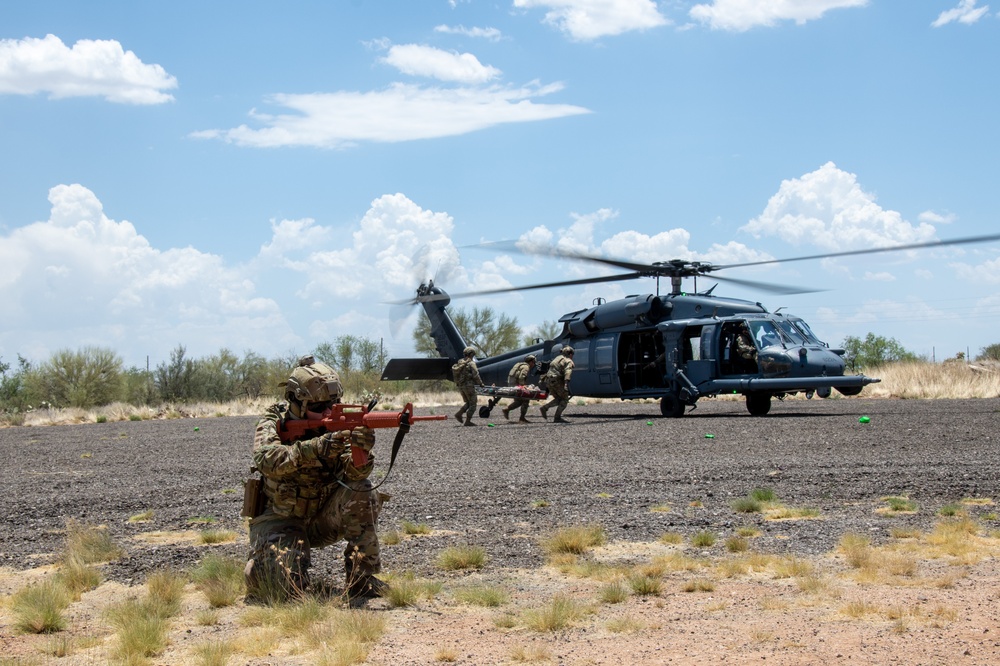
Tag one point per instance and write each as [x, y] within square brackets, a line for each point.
[677, 347]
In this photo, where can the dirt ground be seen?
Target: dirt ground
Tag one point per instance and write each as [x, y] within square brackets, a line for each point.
[792, 598]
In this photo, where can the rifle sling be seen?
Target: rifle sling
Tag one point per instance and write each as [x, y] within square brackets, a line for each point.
[396, 445]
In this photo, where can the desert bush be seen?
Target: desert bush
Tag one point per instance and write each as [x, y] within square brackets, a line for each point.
[85, 378]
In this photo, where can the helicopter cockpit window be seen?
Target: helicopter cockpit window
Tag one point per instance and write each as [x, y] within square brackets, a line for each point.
[791, 332]
[765, 334]
[806, 331]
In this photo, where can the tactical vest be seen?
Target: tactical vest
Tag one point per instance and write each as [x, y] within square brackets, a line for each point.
[518, 374]
[557, 369]
[299, 496]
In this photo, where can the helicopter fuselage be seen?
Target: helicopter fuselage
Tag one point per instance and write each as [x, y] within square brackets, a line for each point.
[677, 348]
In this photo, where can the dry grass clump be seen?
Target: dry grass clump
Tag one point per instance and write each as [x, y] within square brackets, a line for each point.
[614, 592]
[559, 614]
[530, 654]
[456, 558]
[897, 504]
[487, 596]
[90, 544]
[406, 590]
[220, 579]
[698, 585]
[626, 624]
[575, 540]
[214, 652]
[141, 625]
[411, 528]
[40, 609]
[703, 539]
[209, 537]
[343, 634]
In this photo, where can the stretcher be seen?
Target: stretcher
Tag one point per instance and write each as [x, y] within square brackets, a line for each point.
[498, 393]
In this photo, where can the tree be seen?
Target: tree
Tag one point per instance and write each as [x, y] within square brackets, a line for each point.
[547, 330]
[490, 332]
[179, 379]
[13, 392]
[990, 353]
[873, 351]
[85, 378]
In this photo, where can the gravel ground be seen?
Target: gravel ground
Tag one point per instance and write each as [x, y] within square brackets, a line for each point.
[506, 486]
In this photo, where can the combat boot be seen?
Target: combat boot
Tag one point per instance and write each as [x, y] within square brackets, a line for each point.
[469, 422]
[559, 419]
[506, 413]
[366, 587]
[523, 420]
[460, 415]
[545, 412]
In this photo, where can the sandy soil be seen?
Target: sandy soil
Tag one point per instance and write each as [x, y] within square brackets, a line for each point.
[793, 598]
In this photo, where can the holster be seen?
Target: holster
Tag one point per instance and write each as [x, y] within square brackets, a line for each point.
[254, 498]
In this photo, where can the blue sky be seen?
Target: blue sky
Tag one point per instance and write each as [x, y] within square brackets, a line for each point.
[265, 176]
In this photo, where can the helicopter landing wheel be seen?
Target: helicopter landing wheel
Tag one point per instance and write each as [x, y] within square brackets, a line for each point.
[484, 412]
[758, 404]
[671, 406]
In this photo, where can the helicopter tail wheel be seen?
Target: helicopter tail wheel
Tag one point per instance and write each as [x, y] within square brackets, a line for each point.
[823, 391]
[671, 406]
[758, 404]
[484, 412]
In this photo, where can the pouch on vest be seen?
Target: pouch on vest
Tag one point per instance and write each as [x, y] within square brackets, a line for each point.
[253, 497]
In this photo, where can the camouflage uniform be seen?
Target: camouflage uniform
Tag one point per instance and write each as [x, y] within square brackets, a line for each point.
[466, 376]
[746, 350]
[557, 382]
[518, 376]
[315, 497]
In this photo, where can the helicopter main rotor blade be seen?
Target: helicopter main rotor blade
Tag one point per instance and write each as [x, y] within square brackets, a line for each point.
[872, 250]
[565, 283]
[766, 286]
[511, 246]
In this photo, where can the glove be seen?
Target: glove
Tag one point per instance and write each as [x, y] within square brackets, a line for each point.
[331, 444]
[363, 437]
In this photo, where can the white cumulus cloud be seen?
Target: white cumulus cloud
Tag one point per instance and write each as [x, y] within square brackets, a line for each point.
[585, 20]
[82, 278]
[422, 60]
[741, 15]
[829, 209]
[90, 68]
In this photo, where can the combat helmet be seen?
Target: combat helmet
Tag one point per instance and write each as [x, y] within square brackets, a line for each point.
[312, 382]
[567, 351]
[469, 351]
[529, 358]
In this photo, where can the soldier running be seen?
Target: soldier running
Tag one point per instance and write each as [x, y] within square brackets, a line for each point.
[557, 382]
[518, 376]
[466, 376]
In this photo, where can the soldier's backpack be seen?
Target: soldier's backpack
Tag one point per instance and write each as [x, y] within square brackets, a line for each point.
[513, 378]
[460, 372]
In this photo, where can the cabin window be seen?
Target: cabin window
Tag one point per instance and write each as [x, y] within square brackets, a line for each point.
[604, 353]
[691, 343]
[581, 355]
